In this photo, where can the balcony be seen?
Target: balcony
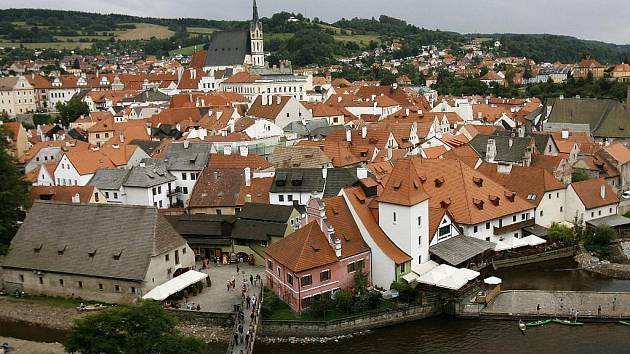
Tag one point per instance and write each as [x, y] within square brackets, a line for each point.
[513, 227]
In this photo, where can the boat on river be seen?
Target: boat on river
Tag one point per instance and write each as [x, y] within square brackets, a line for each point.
[625, 323]
[539, 323]
[567, 322]
[521, 326]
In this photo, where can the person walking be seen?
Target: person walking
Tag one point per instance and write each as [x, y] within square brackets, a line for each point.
[228, 285]
[238, 269]
[251, 279]
[248, 300]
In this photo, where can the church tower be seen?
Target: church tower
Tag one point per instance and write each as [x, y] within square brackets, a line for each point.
[256, 38]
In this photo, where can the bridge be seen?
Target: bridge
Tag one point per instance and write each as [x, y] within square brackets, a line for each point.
[595, 306]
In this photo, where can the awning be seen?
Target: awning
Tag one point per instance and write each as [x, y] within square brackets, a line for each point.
[612, 221]
[448, 277]
[410, 277]
[460, 249]
[510, 243]
[174, 285]
[423, 268]
[533, 240]
[493, 281]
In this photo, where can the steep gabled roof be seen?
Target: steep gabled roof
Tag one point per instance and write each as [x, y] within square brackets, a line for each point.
[304, 249]
[404, 186]
[589, 193]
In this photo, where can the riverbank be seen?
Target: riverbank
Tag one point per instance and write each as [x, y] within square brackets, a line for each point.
[61, 317]
[612, 270]
[28, 347]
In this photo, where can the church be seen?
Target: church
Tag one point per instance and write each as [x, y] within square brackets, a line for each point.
[237, 50]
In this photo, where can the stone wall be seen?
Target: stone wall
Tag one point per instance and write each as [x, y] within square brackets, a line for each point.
[346, 325]
[205, 318]
[534, 258]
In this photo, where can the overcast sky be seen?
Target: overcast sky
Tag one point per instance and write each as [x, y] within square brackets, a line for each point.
[607, 20]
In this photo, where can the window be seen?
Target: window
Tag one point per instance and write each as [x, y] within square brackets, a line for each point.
[351, 267]
[100, 286]
[475, 229]
[185, 190]
[41, 280]
[561, 209]
[599, 213]
[290, 197]
[487, 226]
[132, 289]
[184, 250]
[117, 288]
[115, 195]
[402, 268]
[558, 195]
[541, 213]
[513, 218]
[218, 211]
[159, 189]
[166, 257]
[360, 264]
[22, 278]
[610, 210]
[184, 176]
[306, 280]
[154, 191]
[60, 282]
[324, 276]
[394, 218]
[419, 220]
[193, 176]
[444, 231]
[80, 283]
[592, 214]
[269, 265]
[289, 279]
[549, 195]
[522, 216]
[420, 240]
[281, 198]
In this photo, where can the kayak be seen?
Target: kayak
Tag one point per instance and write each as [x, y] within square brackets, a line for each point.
[521, 326]
[625, 323]
[567, 322]
[537, 323]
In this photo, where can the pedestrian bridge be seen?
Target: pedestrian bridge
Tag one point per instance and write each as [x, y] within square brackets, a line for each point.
[597, 306]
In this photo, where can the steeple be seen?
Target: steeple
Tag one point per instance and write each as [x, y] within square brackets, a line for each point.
[255, 16]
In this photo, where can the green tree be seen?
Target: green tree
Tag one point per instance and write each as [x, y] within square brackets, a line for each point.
[360, 282]
[344, 301]
[141, 328]
[13, 193]
[559, 232]
[579, 176]
[71, 110]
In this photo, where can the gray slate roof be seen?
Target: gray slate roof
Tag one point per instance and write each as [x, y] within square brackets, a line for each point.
[541, 141]
[266, 212]
[149, 146]
[148, 96]
[228, 48]
[109, 178]
[204, 229]
[305, 180]
[148, 176]
[194, 158]
[459, 249]
[606, 118]
[258, 230]
[66, 235]
[514, 153]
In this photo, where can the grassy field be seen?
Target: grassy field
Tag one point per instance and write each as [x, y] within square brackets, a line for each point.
[201, 30]
[358, 38]
[186, 50]
[145, 31]
[279, 36]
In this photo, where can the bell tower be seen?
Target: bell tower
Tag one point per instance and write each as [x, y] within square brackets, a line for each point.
[256, 38]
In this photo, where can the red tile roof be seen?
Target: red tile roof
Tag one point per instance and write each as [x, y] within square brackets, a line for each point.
[304, 249]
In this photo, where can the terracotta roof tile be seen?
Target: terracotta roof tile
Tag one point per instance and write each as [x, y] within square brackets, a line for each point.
[589, 193]
[304, 249]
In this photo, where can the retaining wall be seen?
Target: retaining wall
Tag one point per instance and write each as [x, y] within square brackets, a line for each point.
[205, 318]
[534, 258]
[346, 325]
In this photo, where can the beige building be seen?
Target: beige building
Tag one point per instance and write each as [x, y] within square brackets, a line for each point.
[99, 252]
[17, 96]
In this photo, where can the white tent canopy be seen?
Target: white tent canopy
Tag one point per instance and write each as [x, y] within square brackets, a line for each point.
[410, 277]
[446, 276]
[533, 240]
[493, 281]
[174, 285]
[510, 243]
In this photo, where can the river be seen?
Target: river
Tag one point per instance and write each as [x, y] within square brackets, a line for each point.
[448, 335]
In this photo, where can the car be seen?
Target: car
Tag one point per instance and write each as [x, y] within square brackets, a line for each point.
[625, 195]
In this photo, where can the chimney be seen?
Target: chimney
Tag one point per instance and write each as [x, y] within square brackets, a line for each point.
[337, 247]
[602, 191]
[76, 199]
[362, 172]
[122, 137]
[248, 176]
[244, 150]
[186, 144]
[325, 172]
[491, 150]
[143, 164]
[364, 131]
[348, 135]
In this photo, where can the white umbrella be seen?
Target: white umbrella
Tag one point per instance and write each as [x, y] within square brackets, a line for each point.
[533, 240]
[493, 281]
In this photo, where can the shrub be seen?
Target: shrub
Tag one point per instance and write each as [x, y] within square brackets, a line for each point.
[344, 301]
[558, 232]
[406, 292]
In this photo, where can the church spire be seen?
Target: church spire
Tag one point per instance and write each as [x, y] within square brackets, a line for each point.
[255, 16]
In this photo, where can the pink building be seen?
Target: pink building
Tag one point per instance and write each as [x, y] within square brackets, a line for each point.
[318, 259]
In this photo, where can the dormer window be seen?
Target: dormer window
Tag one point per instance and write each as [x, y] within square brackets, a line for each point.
[60, 251]
[92, 253]
[38, 248]
[439, 182]
[117, 255]
[494, 199]
[397, 185]
[478, 203]
[478, 181]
